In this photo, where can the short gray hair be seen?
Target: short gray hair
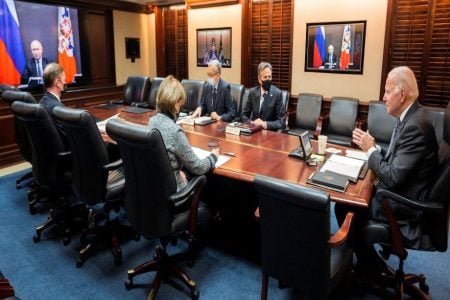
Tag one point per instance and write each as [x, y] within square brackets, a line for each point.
[263, 65]
[403, 78]
[216, 64]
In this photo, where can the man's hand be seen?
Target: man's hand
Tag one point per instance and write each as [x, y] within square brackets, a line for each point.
[215, 116]
[260, 122]
[363, 139]
[197, 112]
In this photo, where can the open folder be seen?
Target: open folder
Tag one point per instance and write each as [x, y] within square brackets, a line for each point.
[347, 166]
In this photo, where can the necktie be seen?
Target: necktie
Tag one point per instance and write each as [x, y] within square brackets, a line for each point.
[263, 104]
[393, 136]
[213, 97]
[38, 68]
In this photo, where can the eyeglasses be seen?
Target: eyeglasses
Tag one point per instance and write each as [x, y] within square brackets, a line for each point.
[211, 75]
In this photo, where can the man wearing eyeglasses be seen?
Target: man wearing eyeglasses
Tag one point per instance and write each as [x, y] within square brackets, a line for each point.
[216, 99]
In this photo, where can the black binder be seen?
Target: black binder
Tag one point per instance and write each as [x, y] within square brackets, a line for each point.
[330, 180]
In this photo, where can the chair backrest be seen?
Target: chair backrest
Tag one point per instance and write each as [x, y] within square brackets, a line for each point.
[436, 116]
[7, 87]
[149, 177]
[309, 108]
[136, 89]
[20, 134]
[295, 228]
[379, 123]
[45, 142]
[342, 116]
[89, 154]
[285, 99]
[194, 91]
[237, 92]
[244, 101]
[438, 225]
[156, 82]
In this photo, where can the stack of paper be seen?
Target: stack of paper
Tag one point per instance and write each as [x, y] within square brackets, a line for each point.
[344, 165]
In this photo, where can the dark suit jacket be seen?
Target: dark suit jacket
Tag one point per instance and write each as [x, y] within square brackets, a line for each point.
[274, 112]
[223, 104]
[408, 169]
[30, 69]
[49, 101]
[327, 61]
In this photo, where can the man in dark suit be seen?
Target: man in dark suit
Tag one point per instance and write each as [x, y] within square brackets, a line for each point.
[410, 163]
[216, 98]
[265, 106]
[55, 84]
[35, 66]
[330, 61]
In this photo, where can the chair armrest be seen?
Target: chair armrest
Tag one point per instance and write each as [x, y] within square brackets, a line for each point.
[342, 234]
[117, 101]
[320, 124]
[289, 113]
[113, 165]
[361, 124]
[141, 104]
[424, 206]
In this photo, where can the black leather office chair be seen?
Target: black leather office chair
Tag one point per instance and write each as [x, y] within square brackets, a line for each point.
[341, 121]
[296, 246]
[95, 180]
[136, 91]
[152, 203]
[50, 162]
[436, 116]
[307, 116]
[243, 102]
[380, 124]
[156, 82]
[433, 226]
[194, 91]
[237, 92]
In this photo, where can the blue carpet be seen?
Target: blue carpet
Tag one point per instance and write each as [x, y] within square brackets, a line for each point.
[46, 270]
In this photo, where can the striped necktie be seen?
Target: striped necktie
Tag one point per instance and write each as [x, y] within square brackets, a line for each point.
[393, 136]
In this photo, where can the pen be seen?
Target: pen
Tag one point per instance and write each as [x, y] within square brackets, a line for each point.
[229, 154]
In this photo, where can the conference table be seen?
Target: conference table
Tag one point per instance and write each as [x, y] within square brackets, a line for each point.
[264, 152]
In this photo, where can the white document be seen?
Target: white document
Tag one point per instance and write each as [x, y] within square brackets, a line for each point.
[203, 154]
[102, 124]
[347, 166]
[356, 154]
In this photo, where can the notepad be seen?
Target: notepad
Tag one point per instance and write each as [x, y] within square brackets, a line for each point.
[343, 165]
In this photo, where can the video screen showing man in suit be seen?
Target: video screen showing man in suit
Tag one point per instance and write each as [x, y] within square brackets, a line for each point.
[216, 98]
[330, 61]
[34, 68]
[265, 106]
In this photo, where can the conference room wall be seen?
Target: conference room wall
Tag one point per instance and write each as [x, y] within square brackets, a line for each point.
[364, 86]
[215, 17]
[140, 26]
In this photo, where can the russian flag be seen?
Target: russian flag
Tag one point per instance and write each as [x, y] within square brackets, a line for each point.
[12, 56]
[319, 47]
[66, 48]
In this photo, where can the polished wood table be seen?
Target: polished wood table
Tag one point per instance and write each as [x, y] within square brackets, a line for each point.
[264, 152]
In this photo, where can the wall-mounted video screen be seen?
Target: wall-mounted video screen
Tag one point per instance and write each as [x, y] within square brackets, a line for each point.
[56, 29]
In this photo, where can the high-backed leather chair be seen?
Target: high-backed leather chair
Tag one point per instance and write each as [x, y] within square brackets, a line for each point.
[136, 91]
[50, 164]
[380, 124]
[296, 246]
[341, 121]
[156, 82]
[243, 102]
[152, 203]
[237, 92]
[194, 91]
[436, 116]
[307, 116]
[21, 137]
[95, 181]
[433, 226]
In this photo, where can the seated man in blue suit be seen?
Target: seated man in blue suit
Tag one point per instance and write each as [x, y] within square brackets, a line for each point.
[35, 66]
[407, 168]
[55, 84]
[265, 106]
[216, 99]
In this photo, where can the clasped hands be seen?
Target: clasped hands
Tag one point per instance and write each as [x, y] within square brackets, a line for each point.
[363, 139]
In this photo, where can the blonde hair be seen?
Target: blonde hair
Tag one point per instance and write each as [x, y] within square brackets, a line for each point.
[170, 93]
[403, 78]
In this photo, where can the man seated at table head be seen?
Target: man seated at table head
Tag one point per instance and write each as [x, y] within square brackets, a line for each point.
[408, 166]
[216, 99]
[35, 66]
[55, 84]
[265, 106]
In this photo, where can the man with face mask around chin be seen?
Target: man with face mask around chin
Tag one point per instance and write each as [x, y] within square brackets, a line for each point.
[216, 99]
[55, 84]
[264, 106]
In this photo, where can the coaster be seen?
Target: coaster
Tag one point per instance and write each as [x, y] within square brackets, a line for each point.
[212, 144]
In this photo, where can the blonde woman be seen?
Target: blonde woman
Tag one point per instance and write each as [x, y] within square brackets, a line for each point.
[169, 100]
